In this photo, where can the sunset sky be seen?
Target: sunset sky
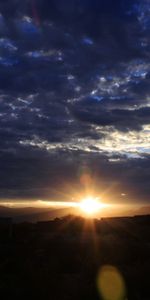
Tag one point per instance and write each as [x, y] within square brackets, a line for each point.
[75, 100]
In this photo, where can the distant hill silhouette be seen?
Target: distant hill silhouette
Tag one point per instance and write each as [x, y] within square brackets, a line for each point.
[32, 214]
[144, 210]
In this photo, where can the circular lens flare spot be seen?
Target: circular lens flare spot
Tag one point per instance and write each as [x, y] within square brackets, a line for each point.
[111, 284]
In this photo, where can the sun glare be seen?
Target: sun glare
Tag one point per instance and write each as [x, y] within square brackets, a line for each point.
[90, 206]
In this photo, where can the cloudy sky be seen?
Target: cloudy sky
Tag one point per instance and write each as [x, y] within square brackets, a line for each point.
[75, 99]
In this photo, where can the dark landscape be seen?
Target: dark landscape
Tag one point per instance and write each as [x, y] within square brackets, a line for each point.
[61, 258]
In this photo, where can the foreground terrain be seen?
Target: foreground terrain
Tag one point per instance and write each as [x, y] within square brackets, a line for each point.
[61, 259]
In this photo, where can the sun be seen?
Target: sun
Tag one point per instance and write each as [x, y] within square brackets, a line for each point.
[90, 205]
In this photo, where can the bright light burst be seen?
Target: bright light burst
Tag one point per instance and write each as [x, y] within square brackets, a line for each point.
[90, 205]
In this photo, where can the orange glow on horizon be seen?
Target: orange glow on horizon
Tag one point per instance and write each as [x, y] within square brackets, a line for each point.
[87, 206]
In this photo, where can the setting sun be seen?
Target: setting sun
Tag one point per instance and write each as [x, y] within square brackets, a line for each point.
[90, 205]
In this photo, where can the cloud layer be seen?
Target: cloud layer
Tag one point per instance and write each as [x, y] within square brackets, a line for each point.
[74, 92]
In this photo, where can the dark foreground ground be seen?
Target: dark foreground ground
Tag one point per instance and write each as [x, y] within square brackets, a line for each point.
[61, 259]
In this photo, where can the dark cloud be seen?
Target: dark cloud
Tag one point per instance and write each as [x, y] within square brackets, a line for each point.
[59, 178]
[123, 119]
[74, 81]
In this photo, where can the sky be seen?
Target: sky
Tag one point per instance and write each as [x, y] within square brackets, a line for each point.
[75, 99]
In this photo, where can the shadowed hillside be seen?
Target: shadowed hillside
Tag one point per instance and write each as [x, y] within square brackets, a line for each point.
[62, 258]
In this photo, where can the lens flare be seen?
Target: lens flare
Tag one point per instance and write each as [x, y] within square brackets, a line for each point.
[111, 284]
